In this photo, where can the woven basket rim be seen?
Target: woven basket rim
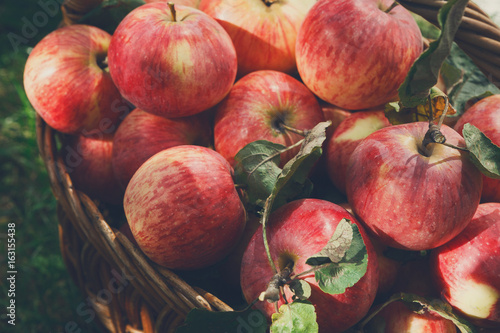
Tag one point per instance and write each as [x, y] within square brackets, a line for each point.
[159, 286]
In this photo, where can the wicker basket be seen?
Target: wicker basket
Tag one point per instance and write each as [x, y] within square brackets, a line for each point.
[128, 292]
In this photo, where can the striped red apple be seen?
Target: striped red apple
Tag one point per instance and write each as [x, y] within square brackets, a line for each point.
[67, 82]
[183, 208]
[354, 54]
[172, 61]
[409, 196]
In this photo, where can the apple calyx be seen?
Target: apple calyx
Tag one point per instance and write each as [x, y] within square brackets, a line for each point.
[278, 124]
[172, 11]
[268, 3]
[101, 60]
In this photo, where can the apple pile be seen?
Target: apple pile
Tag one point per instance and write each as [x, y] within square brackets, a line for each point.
[163, 116]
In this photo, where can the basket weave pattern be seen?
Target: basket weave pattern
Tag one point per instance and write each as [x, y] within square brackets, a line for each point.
[128, 292]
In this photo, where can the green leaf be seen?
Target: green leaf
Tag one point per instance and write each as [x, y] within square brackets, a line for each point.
[472, 84]
[336, 247]
[424, 73]
[451, 75]
[427, 29]
[296, 317]
[483, 153]
[201, 320]
[335, 278]
[110, 13]
[257, 169]
[300, 288]
[437, 307]
[397, 114]
[294, 178]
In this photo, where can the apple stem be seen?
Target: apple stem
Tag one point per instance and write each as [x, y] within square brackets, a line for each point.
[173, 11]
[295, 130]
[265, 217]
[433, 134]
[391, 7]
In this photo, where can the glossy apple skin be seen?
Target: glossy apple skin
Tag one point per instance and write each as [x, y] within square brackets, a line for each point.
[172, 69]
[67, 87]
[344, 140]
[408, 200]
[183, 208]
[467, 268]
[88, 163]
[253, 107]
[300, 229]
[264, 35]
[142, 134]
[485, 115]
[353, 55]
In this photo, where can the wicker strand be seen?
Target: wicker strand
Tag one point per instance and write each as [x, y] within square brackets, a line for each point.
[157, 283]
[476, 32]
[74, 10]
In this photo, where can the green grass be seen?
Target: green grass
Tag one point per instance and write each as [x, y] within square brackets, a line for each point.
[46, 297]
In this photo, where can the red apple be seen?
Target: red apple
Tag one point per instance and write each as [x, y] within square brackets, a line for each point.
[257, 108]
[410, 198]
[467, 268]
[172, 62]
[354, 55]
[296, 231]
[263, 31]
[397, 318]
[345, 138]
[183, 208]
[335, 114]
[88, 163]
[67, 83]
[485, 115]
[143, 134]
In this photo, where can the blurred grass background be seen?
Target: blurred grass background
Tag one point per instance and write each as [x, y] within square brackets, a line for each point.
[46, 297]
